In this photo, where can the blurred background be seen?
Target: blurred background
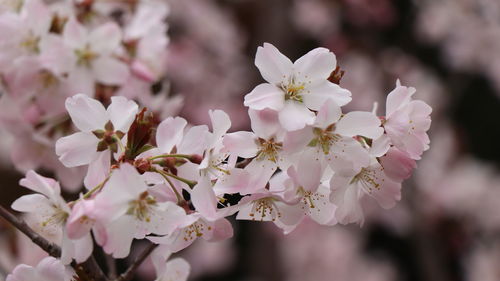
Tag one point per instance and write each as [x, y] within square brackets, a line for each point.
[447, 226]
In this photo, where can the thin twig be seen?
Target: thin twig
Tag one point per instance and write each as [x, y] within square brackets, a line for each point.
[88, 270]
[111, 265]
[129, 273]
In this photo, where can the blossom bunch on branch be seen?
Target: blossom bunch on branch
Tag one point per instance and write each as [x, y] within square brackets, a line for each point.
[50, 51]
[173, 183]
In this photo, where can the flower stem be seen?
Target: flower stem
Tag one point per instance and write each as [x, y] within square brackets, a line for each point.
[170, 155]
[191, 184]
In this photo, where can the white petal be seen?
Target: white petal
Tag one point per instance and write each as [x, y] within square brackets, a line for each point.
[86, 113]
[204, 200]
[316, 95]
[122, 113]
[30, 203]
[328, 114]
[169, 133]
[265, 123]
[360, 123]
[265, 96]
[195, 140]
[98, 170]
[398, 97]
[296, 141]
[220, 123]
[46, 186]
[243, 144]
[295, 116]
[83, 248]
[110, 71]
[77, 149]
[273, 65]
[121, 231]
[380, 146]
[309, 172]
[315, 66]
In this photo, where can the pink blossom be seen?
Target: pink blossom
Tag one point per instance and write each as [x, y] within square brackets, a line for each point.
[407, 121]
[293, 89]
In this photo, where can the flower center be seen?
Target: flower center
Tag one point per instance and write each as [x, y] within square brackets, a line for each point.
[30, 43]
[269, 149]
[324, 139]
[57, 218]
[195, 230]
[141, 208]
[85, 56]
[368, 180]
[264, 207]
[293, 90]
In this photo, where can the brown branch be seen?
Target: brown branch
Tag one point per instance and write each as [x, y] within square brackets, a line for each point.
[111, 265]
[49, 247]
[88, 270]
[129, 273]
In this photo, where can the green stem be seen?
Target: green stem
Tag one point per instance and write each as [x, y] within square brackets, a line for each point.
[186, 181]
[179, 197]
[119, 143]
[170, 155]
[95, 188]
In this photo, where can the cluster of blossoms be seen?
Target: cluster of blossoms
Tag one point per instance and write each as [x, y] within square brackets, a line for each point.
[50, 51]
[174, 183]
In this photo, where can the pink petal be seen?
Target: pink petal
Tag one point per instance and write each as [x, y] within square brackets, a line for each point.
[98, 169]
[122, 113]
[170, 133]
[273, 65]
[328, 114]
[265, 123]
[400, 96]
[40, 184]
[86, 113]
[243, 144]
[315, 66]
[204, 200]
[295, 116]
[316, 95]
[77, 149]
[30, 203]
[265, 96]
[360, 123]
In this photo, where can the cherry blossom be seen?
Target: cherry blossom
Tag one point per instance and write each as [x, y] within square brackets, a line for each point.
[101, 129]
[293, 89]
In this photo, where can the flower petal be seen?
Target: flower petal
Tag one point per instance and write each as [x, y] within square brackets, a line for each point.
[77, 149]
[316, 95]
[295, 116]
[273, 65]
[360, 123]
[122, 113]
[170, 133]
[315, 66]
[86, 113]
[265, 96]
